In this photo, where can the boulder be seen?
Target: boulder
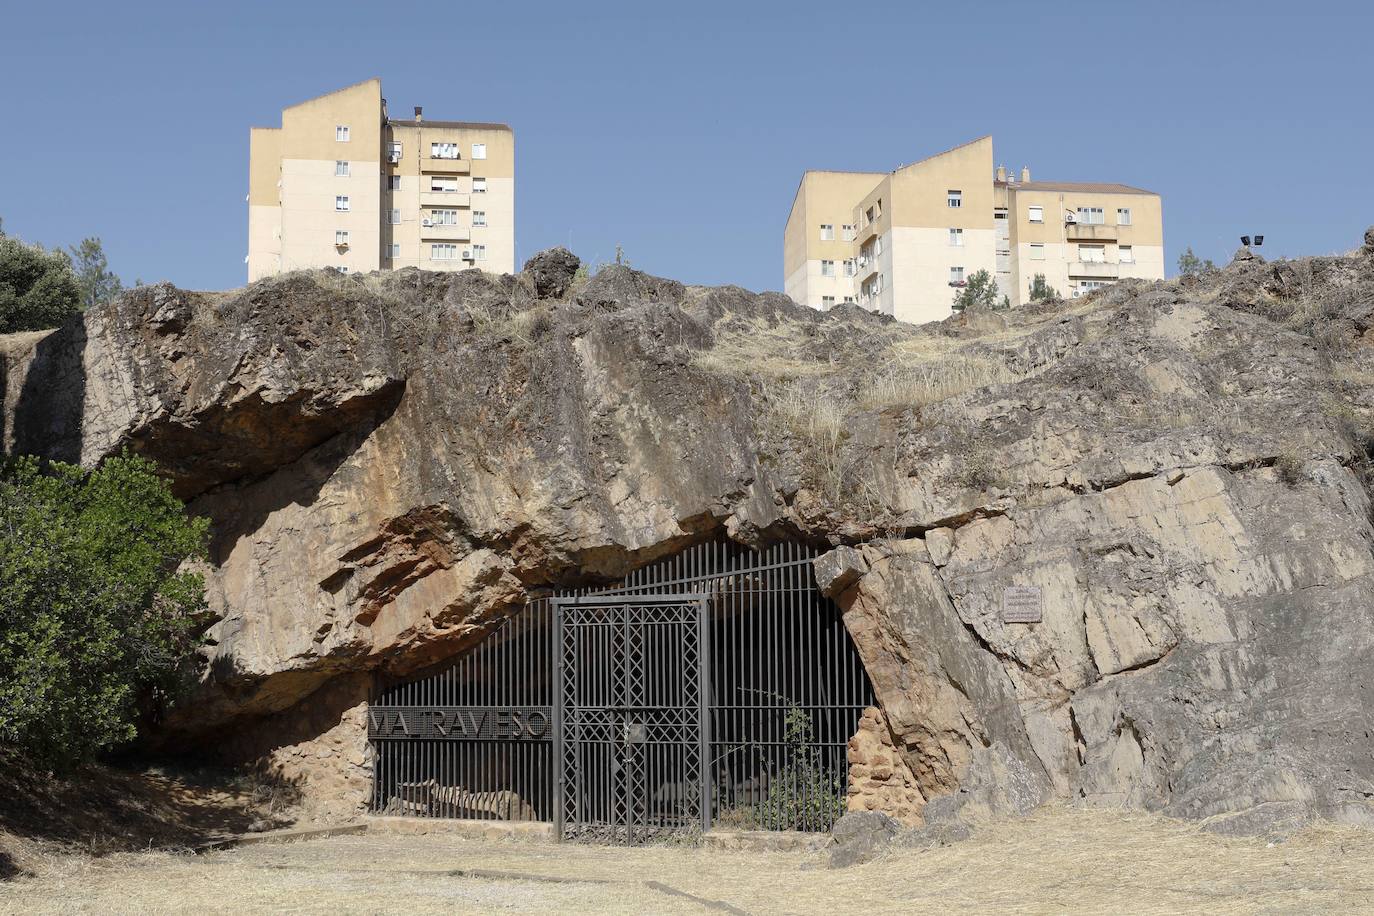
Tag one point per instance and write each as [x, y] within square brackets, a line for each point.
[861, 836]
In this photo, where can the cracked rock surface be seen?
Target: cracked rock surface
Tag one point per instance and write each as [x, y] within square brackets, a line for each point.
[391, 463]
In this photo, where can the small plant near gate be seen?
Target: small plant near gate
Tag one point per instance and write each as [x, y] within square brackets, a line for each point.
[803, 795]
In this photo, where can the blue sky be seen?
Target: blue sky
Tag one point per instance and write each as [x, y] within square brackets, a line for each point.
[679, 131]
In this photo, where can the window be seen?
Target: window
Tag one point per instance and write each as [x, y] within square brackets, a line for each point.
[1123, 216]
[1092, 254]
[1037, 252]
[444, 217]
[443, 252]
[341, 203]
[479, 151]
[443, 183]
[877, 246]
[393, 152]
[395, 217]
[827, 232]
[827, 268]
[956, 238]
[479, 217]
[848, 298]
[870, 215]
[1127, 254]
[878, 207]
[393, 182]
[1090, 216]
[847, 233]
[341, 237]
[341, 133]
[849, 267]
[479, 186]
[1036, 214]
[340, 168]
[1086, 286]
[955, 198]
[827, 302]
[479, 252]
[443, 151]
[956, 275]
[395, 250]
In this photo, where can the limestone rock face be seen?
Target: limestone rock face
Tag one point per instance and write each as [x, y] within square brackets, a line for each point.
[392, 463]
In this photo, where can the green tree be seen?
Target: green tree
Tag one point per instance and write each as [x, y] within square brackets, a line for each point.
[37, 287]
[1190, 265]
[980, 292]
[95, 616]
[98, 284]
[1041, 290]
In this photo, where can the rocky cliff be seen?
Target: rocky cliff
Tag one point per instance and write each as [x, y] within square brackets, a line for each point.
[392, 462]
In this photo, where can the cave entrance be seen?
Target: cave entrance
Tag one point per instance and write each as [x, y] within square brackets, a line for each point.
[718, 688]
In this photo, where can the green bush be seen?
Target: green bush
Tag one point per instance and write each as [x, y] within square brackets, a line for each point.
[95, 617]
[38, 289]
[979, 292]
[802, 795]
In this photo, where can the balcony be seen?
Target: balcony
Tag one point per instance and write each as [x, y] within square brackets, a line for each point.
[450, 199]
[1095, 270]
[444, 233]
[446, 166]
[1090, 232]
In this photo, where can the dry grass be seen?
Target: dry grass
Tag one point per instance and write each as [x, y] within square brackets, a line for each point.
[921, 384]
[758, 349]
[1056, 861]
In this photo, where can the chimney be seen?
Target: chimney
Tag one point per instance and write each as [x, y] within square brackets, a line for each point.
[419, 113]
[1025, 174]
[1002, 174]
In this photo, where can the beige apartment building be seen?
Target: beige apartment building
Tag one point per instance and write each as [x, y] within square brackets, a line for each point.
[905, 242]
[342, 184]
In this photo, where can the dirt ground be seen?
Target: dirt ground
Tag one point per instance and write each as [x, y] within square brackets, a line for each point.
[1053, 862]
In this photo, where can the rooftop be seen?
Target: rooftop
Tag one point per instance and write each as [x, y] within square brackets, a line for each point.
[460, 125]
[1088, 187]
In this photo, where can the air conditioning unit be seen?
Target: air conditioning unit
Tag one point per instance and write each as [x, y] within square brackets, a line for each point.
[427, 223]
[467, 254]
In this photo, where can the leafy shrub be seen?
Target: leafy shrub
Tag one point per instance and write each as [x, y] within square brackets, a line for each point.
[94, 615]
[38, 289]
[803, 794]
[979, 292]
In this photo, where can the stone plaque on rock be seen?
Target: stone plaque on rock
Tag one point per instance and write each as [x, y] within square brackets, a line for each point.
[1021, 604]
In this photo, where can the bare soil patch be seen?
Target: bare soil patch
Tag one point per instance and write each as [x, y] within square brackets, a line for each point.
[1053, 862]
[52, 821]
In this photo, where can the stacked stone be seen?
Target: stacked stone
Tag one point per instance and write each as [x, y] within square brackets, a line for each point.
[879, 780]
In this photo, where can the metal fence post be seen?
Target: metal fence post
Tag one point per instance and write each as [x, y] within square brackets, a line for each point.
[704, 708]
[559, 763]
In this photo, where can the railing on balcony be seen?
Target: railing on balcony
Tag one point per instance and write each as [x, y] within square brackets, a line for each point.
[1095, 269]
[1090, 232]
[436, 164]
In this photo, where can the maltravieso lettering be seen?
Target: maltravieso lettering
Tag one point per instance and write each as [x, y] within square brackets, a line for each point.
[459, 723]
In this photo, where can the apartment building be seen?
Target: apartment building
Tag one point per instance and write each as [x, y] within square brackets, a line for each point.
[905, 242]
[342, 184]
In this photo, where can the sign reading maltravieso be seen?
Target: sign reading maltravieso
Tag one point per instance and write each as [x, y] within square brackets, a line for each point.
[460, 723]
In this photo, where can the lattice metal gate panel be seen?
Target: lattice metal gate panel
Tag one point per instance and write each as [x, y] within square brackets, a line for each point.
[631, 733]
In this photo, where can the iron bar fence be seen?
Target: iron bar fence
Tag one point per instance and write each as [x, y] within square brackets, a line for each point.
[717, 687]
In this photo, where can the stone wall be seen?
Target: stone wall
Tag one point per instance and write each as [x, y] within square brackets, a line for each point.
[879, 779]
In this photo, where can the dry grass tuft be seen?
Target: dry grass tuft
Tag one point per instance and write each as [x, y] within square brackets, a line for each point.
[916, 386]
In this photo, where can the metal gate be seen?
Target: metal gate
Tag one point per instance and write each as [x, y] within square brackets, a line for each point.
[715, 688]
[630, 726]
